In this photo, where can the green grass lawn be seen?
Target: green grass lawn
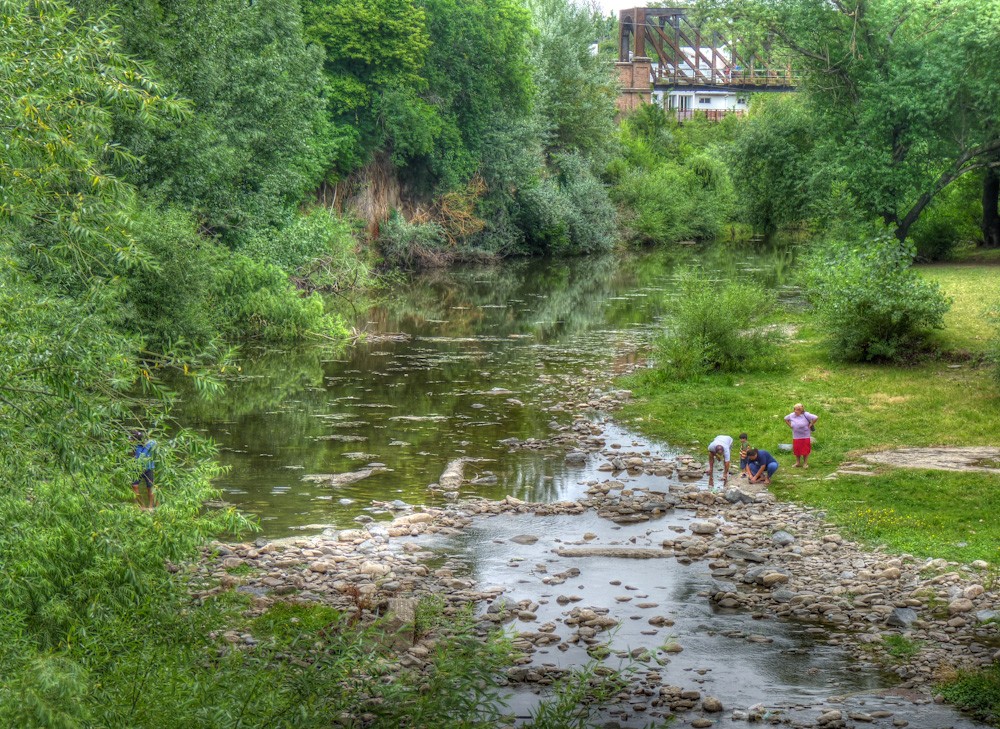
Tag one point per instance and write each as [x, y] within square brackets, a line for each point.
[863, 408]
[975, 291]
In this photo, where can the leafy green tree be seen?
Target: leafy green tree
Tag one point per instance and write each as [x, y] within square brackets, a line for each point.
[257, 139]
[901, 116]
[477, 70]
[576, 91]
[769, 161]
[74, 549]
[374, 55]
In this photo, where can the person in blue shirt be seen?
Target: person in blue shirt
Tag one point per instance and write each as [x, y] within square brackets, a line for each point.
[761, 465]
[144, 454]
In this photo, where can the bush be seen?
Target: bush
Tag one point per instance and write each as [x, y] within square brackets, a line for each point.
[591, 217]
[317, 249]
[670, 203]
[872, 304]
[194, 291]
[412, 245]
[715, 326]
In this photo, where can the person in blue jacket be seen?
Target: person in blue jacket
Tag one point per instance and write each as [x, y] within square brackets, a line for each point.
[761, 465]
[144, 454]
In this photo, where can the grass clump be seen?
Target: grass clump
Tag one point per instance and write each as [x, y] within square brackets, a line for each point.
[719, 327]
[977, 692]
[900, 647]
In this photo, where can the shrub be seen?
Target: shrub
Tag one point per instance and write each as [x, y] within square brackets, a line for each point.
[542, 213]
[194, 291]
[591, 217]
[977, 692]
[317, 249]
[872, 304]
[412, 245]
[671, 202]
[715, 326]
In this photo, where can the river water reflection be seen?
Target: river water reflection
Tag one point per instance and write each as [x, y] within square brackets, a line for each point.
[488, 350]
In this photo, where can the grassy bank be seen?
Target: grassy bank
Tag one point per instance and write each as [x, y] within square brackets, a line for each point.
[863, 408]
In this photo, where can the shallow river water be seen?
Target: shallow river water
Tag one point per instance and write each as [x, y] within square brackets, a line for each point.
[485, 353]
[457, 362]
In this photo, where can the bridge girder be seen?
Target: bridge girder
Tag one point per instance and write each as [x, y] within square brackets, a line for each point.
[679, 53]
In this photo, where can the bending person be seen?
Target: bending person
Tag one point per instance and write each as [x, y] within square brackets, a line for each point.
[719, 449]
[761, 465]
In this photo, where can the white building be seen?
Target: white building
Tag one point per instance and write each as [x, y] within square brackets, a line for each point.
[687, 101]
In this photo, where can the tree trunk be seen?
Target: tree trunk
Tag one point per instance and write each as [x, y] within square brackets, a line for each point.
[991, 216]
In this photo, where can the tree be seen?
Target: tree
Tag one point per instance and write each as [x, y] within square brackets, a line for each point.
[900, 116]
[576, 91]
[769, 161]
[257, 140]
[71, 548]
[374, 55]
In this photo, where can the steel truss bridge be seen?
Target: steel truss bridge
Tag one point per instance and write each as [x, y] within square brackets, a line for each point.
[679, 53]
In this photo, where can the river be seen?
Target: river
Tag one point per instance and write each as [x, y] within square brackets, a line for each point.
[486, 353]
[455, 363]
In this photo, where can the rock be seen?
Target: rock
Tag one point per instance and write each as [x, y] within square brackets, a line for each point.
[782, 596]
[736, 496]
[774, 578]
[575, 458]
[375, 569]
[961, 605]
[524, 539]
[828, 717]
[703, 527]
[984, 616]
[782, 539]
[702, 723]
[343, 479]
[901, 617]
[746, 555]
[711, 704]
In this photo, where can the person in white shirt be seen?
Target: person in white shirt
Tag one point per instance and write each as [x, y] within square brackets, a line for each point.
[719, 449]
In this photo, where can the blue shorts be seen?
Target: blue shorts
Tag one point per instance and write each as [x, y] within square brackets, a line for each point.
[146, 476]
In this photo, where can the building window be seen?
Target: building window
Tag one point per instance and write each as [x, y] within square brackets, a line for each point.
[704, 101]
[741, 100]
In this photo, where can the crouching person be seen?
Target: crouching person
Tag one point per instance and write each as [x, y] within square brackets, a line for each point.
[761, 466]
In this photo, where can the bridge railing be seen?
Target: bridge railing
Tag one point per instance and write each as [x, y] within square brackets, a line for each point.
[684, 115]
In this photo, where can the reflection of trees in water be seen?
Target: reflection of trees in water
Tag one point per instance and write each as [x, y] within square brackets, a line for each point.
[277, 411]
[267, 380]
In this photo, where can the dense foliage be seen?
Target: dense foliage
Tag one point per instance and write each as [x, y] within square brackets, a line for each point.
[872, 304]
[671, 180]
[718, 326]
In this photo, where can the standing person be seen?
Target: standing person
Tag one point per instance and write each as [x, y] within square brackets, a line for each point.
[144, 454]
[719, 448]
[745, 447]
[802, 424]
[761, 465]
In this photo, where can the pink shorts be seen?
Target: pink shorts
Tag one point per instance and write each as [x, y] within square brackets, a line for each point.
[801, 446]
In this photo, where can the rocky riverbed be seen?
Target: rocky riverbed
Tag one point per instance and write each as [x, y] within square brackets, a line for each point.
[775, 562]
